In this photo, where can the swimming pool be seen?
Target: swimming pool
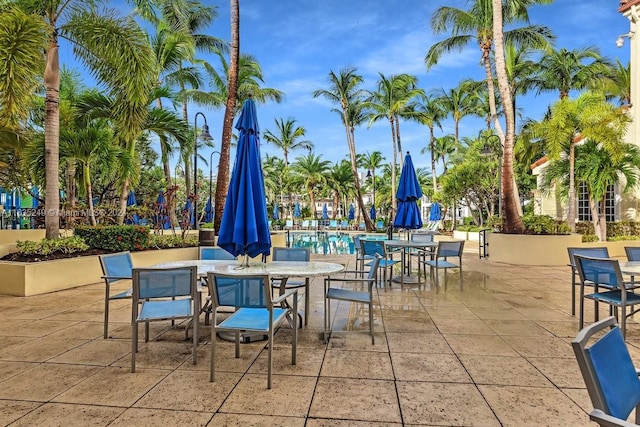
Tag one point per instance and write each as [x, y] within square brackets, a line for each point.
[327, 242]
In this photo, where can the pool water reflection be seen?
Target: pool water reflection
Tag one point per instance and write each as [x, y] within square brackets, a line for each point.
[327, 242]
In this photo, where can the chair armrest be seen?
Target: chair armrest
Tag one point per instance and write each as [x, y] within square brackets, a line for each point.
[351, 280]
[605, 420]
[284, 296]
[116, 277]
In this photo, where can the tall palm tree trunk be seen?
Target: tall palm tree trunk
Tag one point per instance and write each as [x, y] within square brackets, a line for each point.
[222, 182]
[51, 139]
[432, 150]
[571, 212]
[394, 202]
[166, 166]
[512, 221]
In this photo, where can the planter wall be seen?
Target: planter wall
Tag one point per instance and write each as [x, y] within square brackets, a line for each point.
[25, 279]
[524, 249]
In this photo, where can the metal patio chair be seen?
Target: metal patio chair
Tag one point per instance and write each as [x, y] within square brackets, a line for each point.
[608, 372]
[115, 267]
[282, 284]
[256, 311]
[442, 261]
[351, 293]
[599, 252]
[164, 294]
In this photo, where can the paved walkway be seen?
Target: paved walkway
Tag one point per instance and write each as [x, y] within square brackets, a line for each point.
[495, 352]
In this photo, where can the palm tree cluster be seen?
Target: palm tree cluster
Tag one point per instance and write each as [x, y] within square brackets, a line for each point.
[95, 144]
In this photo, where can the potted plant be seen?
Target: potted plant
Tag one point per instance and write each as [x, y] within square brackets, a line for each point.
[206, 234]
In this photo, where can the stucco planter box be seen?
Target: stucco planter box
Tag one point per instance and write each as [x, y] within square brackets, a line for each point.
[33, 278]
[526, 249]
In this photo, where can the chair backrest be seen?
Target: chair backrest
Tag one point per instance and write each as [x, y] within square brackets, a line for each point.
[344, 224]
[633, 253]
[291, 254]
[288, 223]
[422, 237]
[116, 266]
[599, 252]
[601, 271]
[450, 249]
[333, 223]
[380, 225]
[213, 253]
[151, 283]
[305, 223]
[373, 247]
[607, 369]
[248, 291]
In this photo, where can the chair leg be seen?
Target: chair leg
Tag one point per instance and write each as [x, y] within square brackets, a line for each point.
[294, 344]
[573, 291]
[212, 363]
[307, 304]
[373, 339]
[581, 316]
[269, 355]
[106, 313]
[196, 336]
[134, 345]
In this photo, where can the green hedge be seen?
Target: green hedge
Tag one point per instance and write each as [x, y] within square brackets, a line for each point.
[115, 238]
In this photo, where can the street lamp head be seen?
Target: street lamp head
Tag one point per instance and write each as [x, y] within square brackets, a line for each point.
[205, 135]
[369, 173]
[486, 150]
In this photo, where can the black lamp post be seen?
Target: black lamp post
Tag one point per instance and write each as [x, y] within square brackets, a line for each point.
[488, 150]
[211, 170]
[205, 136]
[372, 174]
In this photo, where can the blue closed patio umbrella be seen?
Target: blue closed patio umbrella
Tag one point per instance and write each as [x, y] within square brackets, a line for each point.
[208, 211]
[372, 212]
[160, 217]
[296, 211]
[352, 212]
[276, 212]
[435, 214]
[409, 191]
[131, 198]
[325, 212]
[244, 228]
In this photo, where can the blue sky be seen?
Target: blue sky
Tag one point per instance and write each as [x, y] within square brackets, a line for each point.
[298, 42]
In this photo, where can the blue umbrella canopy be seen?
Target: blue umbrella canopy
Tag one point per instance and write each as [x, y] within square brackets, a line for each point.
[372, 212]
[409, 191]
[244, 228]
[352, 212]
[131, 198]
[276, 212]
[435, 214]
[296, 211]
[208, 211]
[160, 210]
[325, 212]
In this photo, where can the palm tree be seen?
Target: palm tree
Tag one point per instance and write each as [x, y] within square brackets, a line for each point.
[429, 112]
[565, 70]
[596, 169]
[86, 147]
[312, 171]
[444, 147]
[484, 23]
[341, 182]
[457, 103]
[288, 137]
[388, 102]
[22, 39]
[116, 52]
[587, 117]
[511, 216]
[247, 81]
[222, 182]
[344, 91]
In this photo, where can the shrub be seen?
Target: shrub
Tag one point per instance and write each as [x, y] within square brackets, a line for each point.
[67, 245]
[544, 224]
[115, 238]
[172, 241]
